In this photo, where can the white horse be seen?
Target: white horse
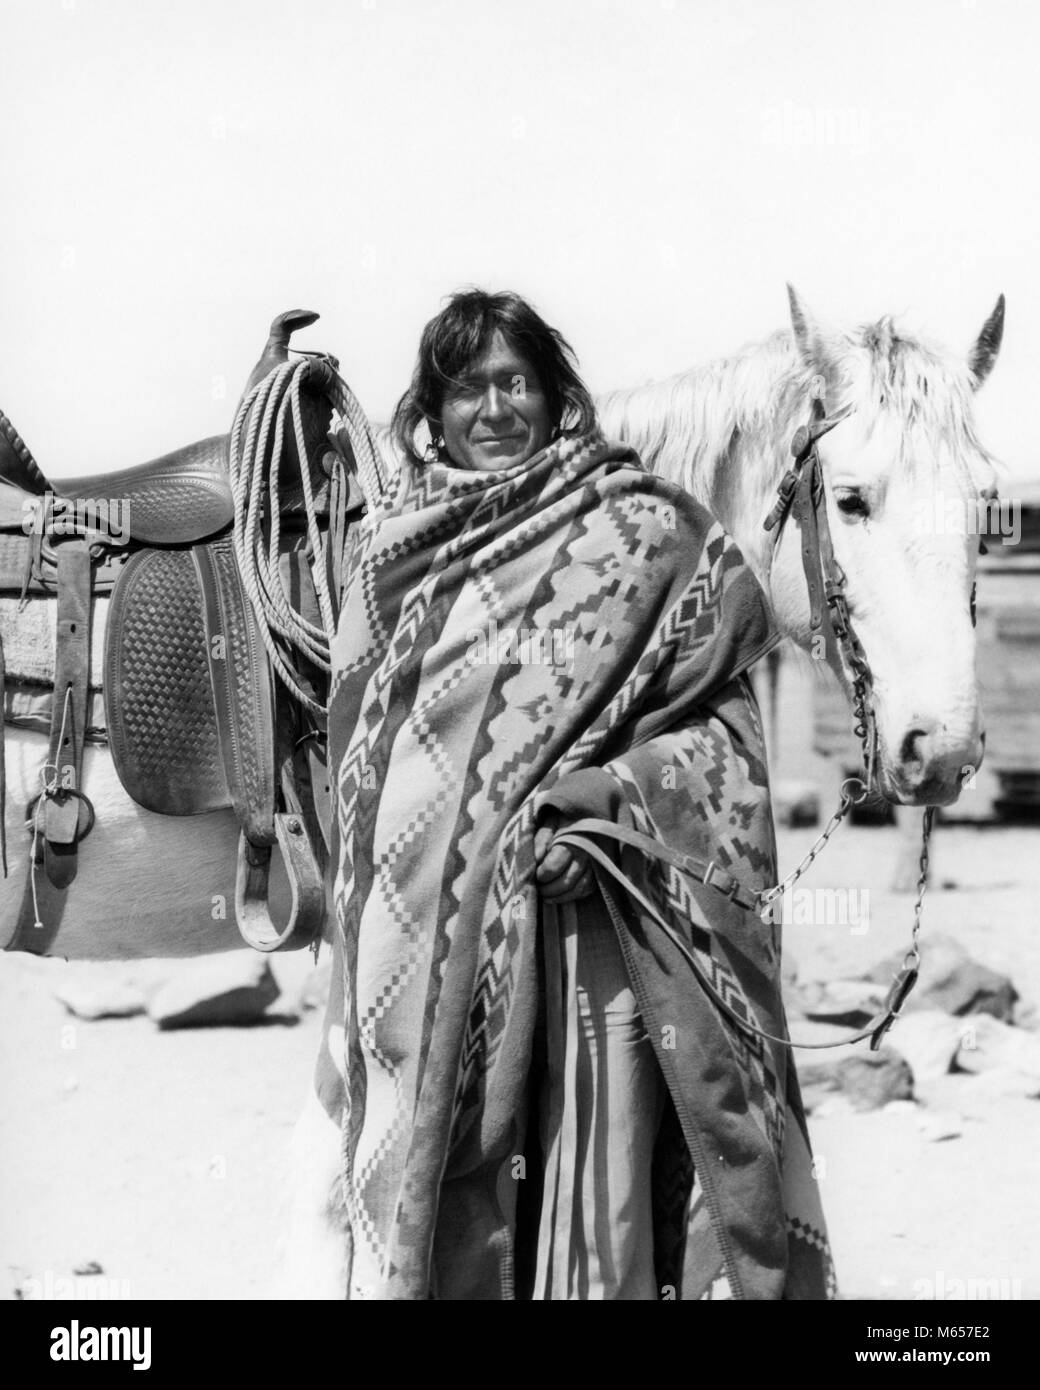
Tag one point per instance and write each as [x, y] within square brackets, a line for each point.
[904, 460]
[723, 432]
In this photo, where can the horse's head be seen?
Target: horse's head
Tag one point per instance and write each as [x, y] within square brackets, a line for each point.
[906, 482]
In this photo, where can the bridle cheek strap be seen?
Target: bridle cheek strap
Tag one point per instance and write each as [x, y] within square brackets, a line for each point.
[802, 493]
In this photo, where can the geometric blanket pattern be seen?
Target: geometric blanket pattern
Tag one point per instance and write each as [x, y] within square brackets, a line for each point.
[570, 633]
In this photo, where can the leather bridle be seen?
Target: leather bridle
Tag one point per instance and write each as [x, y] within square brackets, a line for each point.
[802, 494]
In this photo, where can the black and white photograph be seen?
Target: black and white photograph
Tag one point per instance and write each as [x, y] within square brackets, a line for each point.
[520, 659]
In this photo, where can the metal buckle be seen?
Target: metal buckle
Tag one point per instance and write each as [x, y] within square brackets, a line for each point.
[722, 881]
[894, 1001]
[839, 610]
[788, 483]
[784, 493]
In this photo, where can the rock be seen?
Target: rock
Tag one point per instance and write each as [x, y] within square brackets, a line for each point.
[101, 998]
[868, 1080]
[939, 1125]
[850, 1003]
[796, 803]
[952, 981]
[980, 1091]
[832, 1105]
[988, 1045]
[1027, 1015]
[928, 1040]
[235, 988]
[838, 1046]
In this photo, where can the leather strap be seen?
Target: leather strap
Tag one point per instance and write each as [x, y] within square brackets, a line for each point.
[50, 902]
[246, 702]
[801, 494]
[711, 874]
[243, 690]
[576, 835]
[3, 762]
[69, 715]
[306, 884]
[29, 564]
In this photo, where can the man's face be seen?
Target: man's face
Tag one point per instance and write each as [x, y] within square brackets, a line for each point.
[496, 416]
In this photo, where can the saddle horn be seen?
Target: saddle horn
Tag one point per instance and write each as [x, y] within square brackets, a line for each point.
[276, 350]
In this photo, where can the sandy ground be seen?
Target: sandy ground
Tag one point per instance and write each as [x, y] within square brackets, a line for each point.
[159, 1157]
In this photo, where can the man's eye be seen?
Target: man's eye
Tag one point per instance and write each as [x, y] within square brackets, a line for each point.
[465, 390]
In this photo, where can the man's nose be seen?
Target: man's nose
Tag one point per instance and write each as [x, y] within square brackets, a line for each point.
[495, 403]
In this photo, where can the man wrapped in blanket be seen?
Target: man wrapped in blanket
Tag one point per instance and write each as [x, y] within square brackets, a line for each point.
[535, 1099]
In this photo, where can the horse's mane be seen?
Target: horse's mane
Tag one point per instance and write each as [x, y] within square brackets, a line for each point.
[685, 427]
[688, 427]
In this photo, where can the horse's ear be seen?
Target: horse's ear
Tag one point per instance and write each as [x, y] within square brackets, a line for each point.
[987, 345]
[809, 338]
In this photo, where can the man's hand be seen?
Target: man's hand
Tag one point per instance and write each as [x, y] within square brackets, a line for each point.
[563, 874]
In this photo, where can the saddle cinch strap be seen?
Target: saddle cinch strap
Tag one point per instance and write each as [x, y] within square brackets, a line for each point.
[711, 875]
[61, 817]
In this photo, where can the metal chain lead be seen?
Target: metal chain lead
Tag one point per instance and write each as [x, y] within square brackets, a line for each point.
[912, 959]
[848, 799]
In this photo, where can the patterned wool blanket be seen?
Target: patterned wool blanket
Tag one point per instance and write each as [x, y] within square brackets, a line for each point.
[571, 632]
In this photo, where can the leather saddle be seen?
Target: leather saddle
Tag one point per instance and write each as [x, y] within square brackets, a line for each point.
[195, 718]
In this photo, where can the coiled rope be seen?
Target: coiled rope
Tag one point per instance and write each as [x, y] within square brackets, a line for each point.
[255, 464]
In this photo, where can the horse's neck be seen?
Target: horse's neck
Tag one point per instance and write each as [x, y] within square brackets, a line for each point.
[721, 432]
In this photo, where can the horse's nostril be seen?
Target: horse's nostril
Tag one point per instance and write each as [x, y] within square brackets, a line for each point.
[909, 751]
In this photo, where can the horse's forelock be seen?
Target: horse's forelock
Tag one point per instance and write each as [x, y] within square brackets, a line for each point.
[924, 389]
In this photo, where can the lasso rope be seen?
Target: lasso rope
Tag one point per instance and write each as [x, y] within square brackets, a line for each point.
[255, 462]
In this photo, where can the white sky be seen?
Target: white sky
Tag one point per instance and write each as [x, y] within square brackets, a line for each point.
[649, 173]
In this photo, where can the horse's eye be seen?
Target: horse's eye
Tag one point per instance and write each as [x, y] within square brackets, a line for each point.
[852, 504]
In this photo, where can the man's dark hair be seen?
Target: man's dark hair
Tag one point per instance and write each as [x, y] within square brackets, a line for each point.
[459, 335]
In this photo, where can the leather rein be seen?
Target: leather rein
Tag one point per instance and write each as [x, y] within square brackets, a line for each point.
[801, 494]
